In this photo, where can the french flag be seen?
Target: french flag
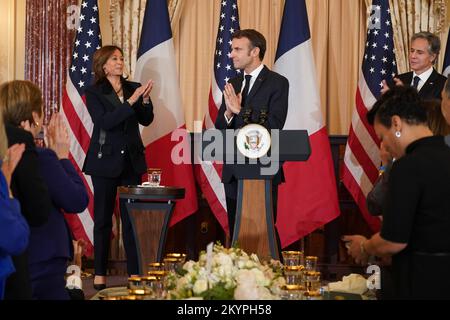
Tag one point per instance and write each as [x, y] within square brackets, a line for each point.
[308, 199]
[156, 60]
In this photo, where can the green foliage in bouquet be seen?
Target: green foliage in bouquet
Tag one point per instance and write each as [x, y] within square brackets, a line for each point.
[226, 274]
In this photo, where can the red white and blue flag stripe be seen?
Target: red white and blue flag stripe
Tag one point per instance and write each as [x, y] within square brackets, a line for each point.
[308, 199]
[209, 174]
[87, 41]
[156, 60]
[362, 159]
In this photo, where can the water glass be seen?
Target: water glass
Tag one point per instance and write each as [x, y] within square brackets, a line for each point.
[136, 286]
[292, 292]
[293, 275]
[155, 266]
[311, 280]
[156, 287]
[154, 176]
[292, 258]
[311, 263]
[181, 257]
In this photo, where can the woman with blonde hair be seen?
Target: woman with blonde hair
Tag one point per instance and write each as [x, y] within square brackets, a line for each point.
[50, 247]
[14, 229]
[27, 184]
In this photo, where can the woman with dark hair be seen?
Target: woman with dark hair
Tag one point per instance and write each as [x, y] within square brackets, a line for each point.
[116, 153]
[416, 215]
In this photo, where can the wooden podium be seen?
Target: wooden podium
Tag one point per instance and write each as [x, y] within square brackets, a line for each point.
[150, 210]
[254, 229]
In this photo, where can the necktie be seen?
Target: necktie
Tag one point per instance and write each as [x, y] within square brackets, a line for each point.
[246, 90]
[416, 82]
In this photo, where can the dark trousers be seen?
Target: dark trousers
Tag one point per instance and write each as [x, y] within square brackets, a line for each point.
[105, 190]
[231, 198]
[47, 280]
[18, 284]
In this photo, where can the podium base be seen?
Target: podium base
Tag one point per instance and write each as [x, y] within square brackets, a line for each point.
[254, 229]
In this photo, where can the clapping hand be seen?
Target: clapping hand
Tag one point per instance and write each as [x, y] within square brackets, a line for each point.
[12, 158]
[57, 136]
[143, 91]
[386, 88]
[232, 100]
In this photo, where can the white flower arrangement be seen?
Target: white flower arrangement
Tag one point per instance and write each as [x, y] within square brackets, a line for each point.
[229, 274]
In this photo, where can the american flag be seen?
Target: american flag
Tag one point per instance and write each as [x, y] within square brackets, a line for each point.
[209, 174]
[87, 41]
[446, 66]
[362, 160]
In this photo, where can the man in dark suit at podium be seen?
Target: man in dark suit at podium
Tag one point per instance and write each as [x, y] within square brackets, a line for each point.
[258, 95]
[423, 54]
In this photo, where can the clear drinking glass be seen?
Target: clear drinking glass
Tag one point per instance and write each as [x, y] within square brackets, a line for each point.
[292, 258]
[292, 292]
[311, 263]
[154, 176]
[293, 275]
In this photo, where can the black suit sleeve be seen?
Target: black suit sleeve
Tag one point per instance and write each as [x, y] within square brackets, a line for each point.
[106, 119]
[144, 112]
[278, 106]
[221, 123]
[28, 185]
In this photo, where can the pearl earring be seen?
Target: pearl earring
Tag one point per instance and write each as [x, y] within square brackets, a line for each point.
[398, 134]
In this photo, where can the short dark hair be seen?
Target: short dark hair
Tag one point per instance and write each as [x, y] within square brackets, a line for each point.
[434, 43]
[399, 101]
[256, 39]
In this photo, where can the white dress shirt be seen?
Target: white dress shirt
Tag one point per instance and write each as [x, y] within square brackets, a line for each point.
[423, 78]
[255, 73]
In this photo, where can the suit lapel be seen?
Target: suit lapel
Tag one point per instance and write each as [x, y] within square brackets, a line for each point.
[110, 95]
[428, 87]
[261, 77]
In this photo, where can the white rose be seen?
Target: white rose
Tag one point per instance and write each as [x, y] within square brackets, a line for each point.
[189, 266]
[246, 291]
[259, 277]
[223, 260]
[201, 285]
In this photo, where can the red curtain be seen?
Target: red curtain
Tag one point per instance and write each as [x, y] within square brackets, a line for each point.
[48, 47]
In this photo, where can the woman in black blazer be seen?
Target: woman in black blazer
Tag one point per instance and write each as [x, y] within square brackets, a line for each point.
[116, 153]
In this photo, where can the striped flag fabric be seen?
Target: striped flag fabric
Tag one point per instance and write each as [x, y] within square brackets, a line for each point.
[156, 60]
[362, 160]
[209, 174]
[87, 41]
[308, 199]
[446, 66]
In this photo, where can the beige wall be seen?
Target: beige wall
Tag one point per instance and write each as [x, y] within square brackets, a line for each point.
[105, 25]
[12, 48]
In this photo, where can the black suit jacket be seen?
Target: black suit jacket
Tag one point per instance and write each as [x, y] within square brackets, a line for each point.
[120, 121]
[27, 186]
[270, 92]
[431, 89]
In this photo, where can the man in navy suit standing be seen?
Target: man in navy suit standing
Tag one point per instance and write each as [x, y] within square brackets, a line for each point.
[423, 54]
[258, 93]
